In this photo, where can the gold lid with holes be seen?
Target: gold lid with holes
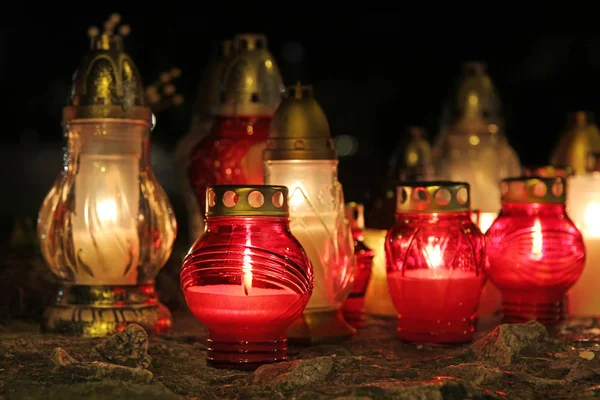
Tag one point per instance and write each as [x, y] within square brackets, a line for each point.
[433, 197]
[548, 171]
[247, 201]
[355, 214]
[299, 130]
[534, 190]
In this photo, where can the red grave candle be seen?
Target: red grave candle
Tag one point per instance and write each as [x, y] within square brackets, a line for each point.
[435, 263]
[535, 251]
[247, 277]
[354, 306]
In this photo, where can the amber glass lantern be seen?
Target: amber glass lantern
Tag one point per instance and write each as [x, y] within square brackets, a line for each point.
[301, 156]
[106, 227]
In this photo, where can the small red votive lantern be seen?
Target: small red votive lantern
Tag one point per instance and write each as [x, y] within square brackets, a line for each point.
[535, 251]
[354, 306]
[247, 278]
[435, 260]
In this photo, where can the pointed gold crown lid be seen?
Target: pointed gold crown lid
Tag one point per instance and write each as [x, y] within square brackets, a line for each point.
[474, 104]
[577, 143]
[107, 83]
[299, 130]
[252, 83]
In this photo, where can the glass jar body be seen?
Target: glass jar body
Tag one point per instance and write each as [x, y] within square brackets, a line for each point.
[318, 221]
[354, 306]
[536, 254]
[247, 279]
[106, 221]
[583, 200]
[435, 271]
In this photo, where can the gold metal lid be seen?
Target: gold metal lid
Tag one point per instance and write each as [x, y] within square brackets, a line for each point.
[534, 190]
[252, 83]
[412, 159]
[210, 89]
[247, 201]
[474, 106]
[548, 171]
[299, 130]
[355, 214]
[577, 142]
[107, 83]
[433, 197]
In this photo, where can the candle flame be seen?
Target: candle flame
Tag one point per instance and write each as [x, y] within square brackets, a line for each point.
[247, 269]
[433, 254]
[106, 211]
[537, 241]
[297, 194]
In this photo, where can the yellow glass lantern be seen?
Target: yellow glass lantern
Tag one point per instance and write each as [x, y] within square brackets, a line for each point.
[106, 227]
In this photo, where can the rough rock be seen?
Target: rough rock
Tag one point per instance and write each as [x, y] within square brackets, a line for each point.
[65, 364]
[476, 373]
[128, 348]
[293, 374]
[507, 342]
[113, 390]
[438, 388]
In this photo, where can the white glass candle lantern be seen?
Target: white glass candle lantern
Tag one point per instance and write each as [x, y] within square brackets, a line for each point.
[583, 202]
[300, 155]
[106, 227]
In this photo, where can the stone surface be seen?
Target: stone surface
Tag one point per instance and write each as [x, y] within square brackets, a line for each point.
[519, 361]
[128, 348]
[75, 370]
[507, 342]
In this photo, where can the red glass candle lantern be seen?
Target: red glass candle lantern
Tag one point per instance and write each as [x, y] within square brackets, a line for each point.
[354, 306]
[247, 278]
[535, 251]
[251, 91]
[435, 263]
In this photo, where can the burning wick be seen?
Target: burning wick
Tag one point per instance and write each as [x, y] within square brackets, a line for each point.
[247, 268]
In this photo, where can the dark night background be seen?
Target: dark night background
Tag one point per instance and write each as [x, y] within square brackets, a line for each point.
[374, 73]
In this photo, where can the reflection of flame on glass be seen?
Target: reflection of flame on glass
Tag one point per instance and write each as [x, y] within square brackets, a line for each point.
[247, 269]
[592, 220]
[537, 241]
